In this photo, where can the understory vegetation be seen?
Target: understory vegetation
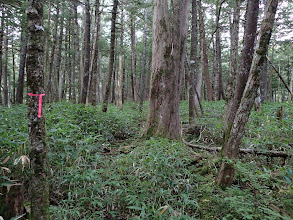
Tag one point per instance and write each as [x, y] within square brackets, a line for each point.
[101, 168]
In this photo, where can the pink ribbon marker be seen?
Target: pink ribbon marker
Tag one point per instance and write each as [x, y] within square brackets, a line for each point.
[40, 102]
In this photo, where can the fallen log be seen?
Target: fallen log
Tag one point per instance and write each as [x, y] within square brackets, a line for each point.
[270, 153]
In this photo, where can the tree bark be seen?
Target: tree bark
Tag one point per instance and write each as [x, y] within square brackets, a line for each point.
[264, 82]
[1, 46]
[193, 109]
[51, 93]
[75, 55]
[231, 148]
[94, 68]
[59, 55]
[111, 59]
[87, 52]
[20, 82]
[133, 57]
[5, 72]
[168, 53]
[143, 73]
[119, 102]
[204, 53]
[246, 59]
[218, 87]
[39, 190]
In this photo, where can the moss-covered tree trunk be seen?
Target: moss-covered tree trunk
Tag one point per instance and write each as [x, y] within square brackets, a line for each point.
[39, 191]
[167, 63]
[232, 145]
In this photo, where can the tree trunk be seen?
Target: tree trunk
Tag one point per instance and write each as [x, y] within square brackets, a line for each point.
[264, 82]
[75, 55]
[193, 65]
[232, 146]
[5, 75]
[39, 190]
[143, 73]
[133, 57]
[1, 46]
[20, 82]
[119, 102]
[168, 53]
[234, 30]
[94, 68]
[204, 53]
[111, 59]
[246, 59]
[51, 93]
[47, 41]
[218, 56]
[59, 55]
[87, 52]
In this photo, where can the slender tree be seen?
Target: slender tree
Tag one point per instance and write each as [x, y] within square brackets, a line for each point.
[51, 83]
[133, 57]
[5, 69]
[167, 62]
[87, 51]
[111, 59]
[120, 72]
[143, 73]
[231, 148]
[39, 190]
[94, 68]
[204, 54]
[234, 31]
[193, 65]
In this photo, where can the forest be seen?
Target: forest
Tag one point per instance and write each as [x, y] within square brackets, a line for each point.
[155, 109]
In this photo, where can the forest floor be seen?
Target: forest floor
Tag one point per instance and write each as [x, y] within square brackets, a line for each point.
[101, 168]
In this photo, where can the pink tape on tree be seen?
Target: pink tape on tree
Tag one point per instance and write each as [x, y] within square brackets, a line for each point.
[40, 102]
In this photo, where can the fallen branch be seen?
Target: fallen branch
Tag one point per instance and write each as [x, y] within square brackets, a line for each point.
[270, 153]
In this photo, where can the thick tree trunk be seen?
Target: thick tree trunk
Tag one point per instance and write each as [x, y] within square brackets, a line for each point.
[133, 57]
[143, 73]
[94, 68]
[246, 59]
[87, 52]
[205, 54]
[39, 190]
[167, 62]
[193, 65]
[111, 59]
[232, 146]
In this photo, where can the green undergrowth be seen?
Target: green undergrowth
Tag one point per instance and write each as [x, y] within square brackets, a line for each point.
[100, 168]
